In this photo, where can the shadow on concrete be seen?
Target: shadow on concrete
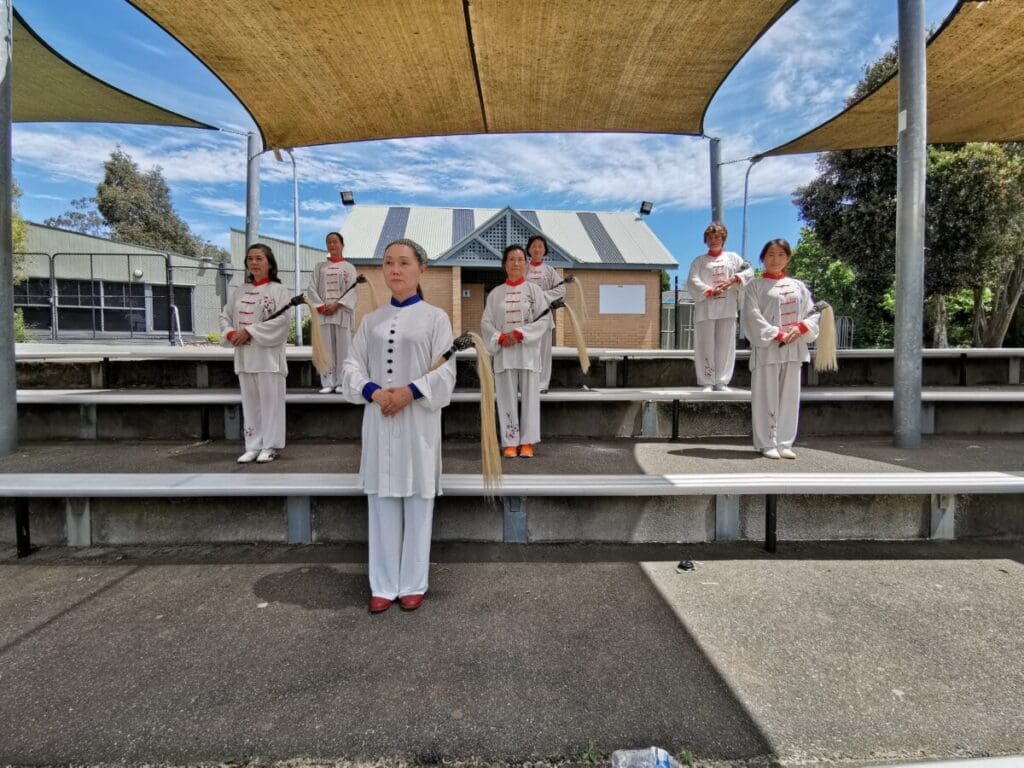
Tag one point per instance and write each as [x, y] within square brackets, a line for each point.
[717, 453]
[502, 662]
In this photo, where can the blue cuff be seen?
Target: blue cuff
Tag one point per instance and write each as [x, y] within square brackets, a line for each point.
[416, 394]
[368, 391]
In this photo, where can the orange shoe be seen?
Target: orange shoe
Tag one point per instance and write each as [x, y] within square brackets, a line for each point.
[509, 452]
[526, 451]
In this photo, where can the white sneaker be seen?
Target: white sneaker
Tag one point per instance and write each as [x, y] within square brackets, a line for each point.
[266, 455]
[248, 457]
[339, 389]
[721, 388]
[326, 390]
[708, 388]
[787, 453]
[771, 453]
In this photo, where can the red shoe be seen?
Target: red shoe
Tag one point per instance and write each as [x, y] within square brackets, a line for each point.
[526, 451]
[509, 452]
[410, 602]
[379, 604]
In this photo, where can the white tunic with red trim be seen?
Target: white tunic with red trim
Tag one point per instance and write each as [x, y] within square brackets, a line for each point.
[705, 271]
[248, 307]
[328, 281]
[771, 307]
[513, 308]
[546, 278]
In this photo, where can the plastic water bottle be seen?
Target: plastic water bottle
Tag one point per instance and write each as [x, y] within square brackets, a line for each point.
[651, 757]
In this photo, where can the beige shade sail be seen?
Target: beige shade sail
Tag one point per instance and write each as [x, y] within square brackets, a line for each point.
[324, 71]
[975, 66]
[48, 88]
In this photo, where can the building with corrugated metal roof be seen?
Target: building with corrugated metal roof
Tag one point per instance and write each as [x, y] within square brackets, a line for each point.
[615, 257]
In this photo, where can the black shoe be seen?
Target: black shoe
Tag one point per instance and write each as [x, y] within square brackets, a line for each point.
[684, 566]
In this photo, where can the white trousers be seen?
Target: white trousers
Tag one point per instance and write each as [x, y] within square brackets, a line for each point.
[262, 410]
[337, 340]
[508, 386]
[545, 360]
[775, 405]
[714, 351]
[399, 538]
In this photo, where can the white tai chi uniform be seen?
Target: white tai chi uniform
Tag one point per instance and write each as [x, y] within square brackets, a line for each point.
[545, 276]
[511, 309]
[329, 280]
[400, 467]
[261, 364]
[714, 345]
[773, 305]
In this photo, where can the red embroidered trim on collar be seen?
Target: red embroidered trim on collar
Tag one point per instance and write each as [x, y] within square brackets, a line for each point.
[520, 281]
[264, 281]
[772, 276]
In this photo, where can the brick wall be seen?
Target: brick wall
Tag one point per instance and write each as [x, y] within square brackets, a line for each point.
[443, 287]
[613, 330]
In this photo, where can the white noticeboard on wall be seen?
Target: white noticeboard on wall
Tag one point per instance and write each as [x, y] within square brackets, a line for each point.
[622, 300]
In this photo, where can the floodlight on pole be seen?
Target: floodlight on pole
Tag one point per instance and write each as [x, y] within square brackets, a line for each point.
[347, 198]
[646, 207]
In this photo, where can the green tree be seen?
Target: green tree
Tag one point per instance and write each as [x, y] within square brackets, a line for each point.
[975, 213]
[831, 280]
[17, 235]
[82, 217]
[135, 207]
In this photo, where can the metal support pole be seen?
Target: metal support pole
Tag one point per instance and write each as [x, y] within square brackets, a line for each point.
[717, 209]
[169, 273]
[298, 270]
[910, 211]
[746, 195]
[8, 373]
[677, 319]
[252, 191]
[770, 521]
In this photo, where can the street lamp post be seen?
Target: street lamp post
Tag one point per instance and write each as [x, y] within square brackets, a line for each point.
[295, 219]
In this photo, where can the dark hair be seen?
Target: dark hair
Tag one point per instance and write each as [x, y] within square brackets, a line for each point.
[418, 251]
[335, 233]
[716, 226]
[534, 239]
[272, 274]
[508, 250]
[781, 242]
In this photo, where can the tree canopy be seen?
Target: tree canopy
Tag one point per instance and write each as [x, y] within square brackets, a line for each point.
[974, 223]
[135, 207]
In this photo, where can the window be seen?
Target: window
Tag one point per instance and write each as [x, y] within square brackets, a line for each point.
[32, 297]
[182, 300]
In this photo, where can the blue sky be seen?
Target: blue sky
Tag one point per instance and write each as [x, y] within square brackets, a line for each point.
[796, 76]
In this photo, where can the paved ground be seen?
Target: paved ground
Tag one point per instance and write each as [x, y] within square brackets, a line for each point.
[827, 652]
[842, 454]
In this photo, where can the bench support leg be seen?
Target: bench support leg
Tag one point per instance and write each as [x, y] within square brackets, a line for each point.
[770, 520]
[675, 419]
[927, 418]
[1014, 370]
[300, 520]
[727, 517]
[648, 419]
[611, 373]
[515, 523]
[943, 520]
[87, 422]
[232, 422]
[21, 526]
[78, 522]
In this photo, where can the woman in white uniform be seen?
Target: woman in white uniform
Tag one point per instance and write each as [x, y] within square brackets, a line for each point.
[259, 353]
[389, 368]
[512, 331]
[778, 321]
[715, 284]
[545, 276]
[335, 304]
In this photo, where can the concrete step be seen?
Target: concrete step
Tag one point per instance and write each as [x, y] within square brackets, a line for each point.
[596, 491]
[91, 414]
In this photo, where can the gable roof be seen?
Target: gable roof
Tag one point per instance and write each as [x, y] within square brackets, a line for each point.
[604, 239]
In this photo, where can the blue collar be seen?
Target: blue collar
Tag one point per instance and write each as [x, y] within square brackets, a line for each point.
[408, 302]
